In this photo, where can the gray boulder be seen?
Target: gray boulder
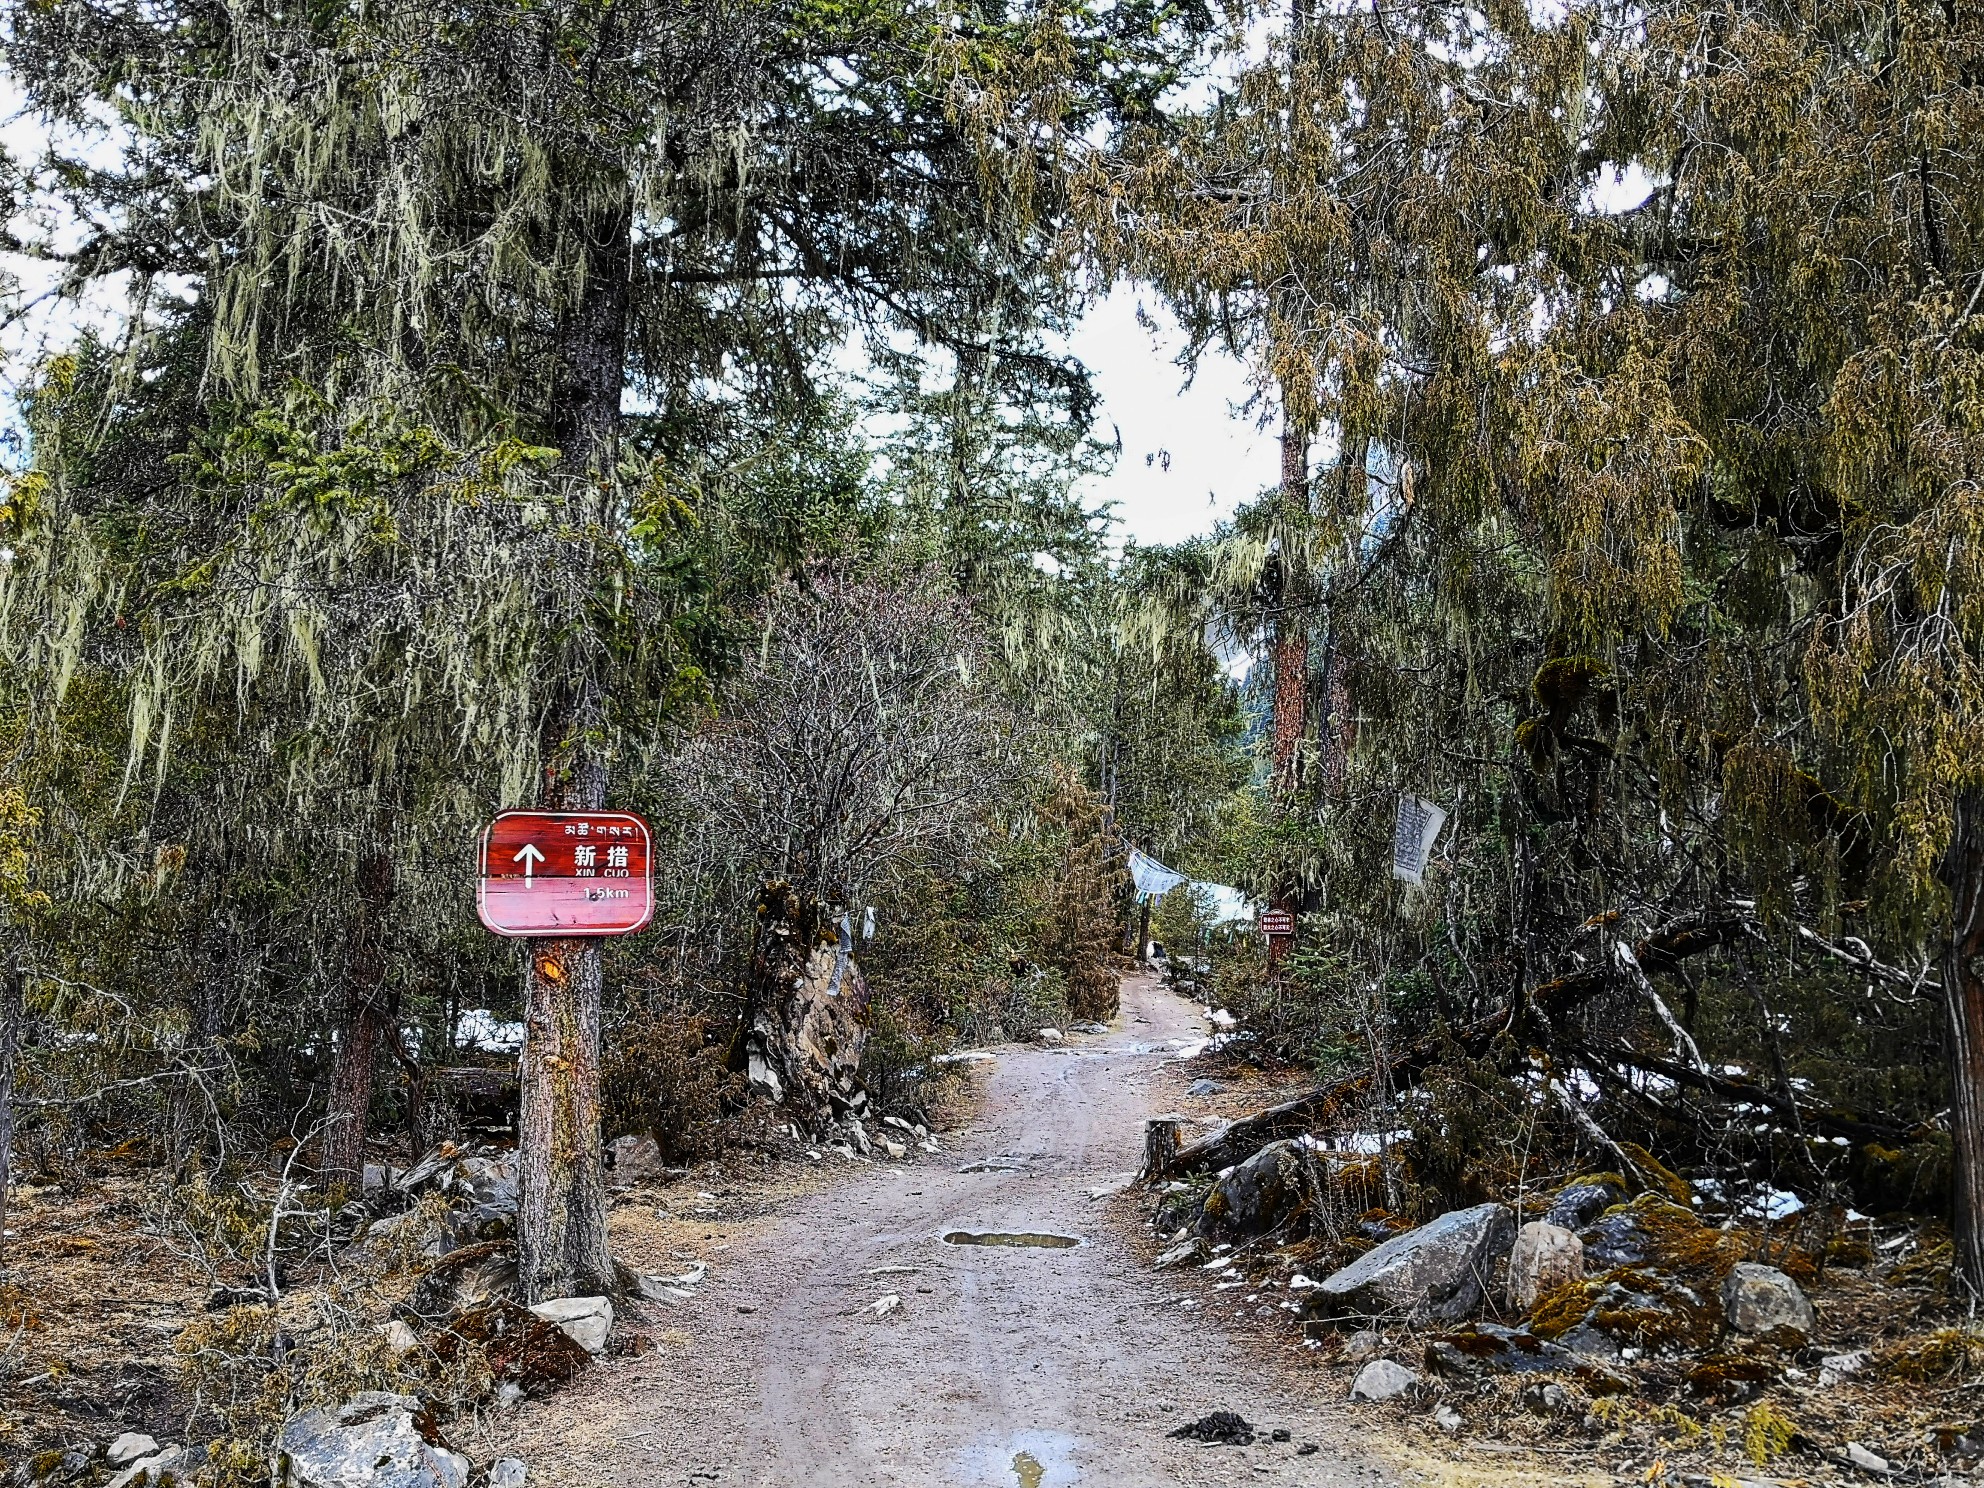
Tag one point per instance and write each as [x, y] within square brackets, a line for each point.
[1545, 1257]
[1382, 1379]
[1439, 1272]
[1762, 1302]
[507, 1472]
[128, 1448]
[585, 1320]
[631, 1160]
[1578, 1204]
[368, 1442]
[154, 1468]
[1260, 1194]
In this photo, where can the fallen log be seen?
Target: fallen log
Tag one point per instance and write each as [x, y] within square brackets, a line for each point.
[1662, 951]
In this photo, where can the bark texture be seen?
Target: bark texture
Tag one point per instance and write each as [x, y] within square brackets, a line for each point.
[1291, 674]
[368, 1012]
[561, 1221]
[1963, 996]
[12, 1014]
[806, 1021]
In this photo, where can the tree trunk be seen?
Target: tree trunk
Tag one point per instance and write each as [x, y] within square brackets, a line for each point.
[12, 1013]
[1963, 997]
[1163, 1139]
[367, 1011]
[1291, 676]
[561, 1230]
[561, 1219]
[805, 1021]
[1143, 935]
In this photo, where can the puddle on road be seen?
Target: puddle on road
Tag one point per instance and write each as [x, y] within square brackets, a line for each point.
[1031, 1238]
[1026, 1459]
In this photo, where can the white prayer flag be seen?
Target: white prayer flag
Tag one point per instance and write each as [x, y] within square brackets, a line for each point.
[1419, 823]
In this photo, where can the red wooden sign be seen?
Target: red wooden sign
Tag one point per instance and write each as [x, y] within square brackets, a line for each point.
[1277, 922]
[566, 873]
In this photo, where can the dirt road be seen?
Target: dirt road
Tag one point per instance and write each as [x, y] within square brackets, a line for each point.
[1034, 1367]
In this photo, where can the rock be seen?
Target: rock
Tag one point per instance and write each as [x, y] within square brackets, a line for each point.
[584, 1320]
[374, 1179]
[128, 1448]
[1836, 1367]
[1546, 1399]
[1205, 1087]
[1590, 1343]
[1488, 1348]
[1183, 1253]
[507, 1472]
[368, 1442]
[857, 1136]
[1630, 1236]
[1762, 1302]
[1447, 1418]
[1865, 1460]
[1258, 1195]
[1382, 1379]
[400, 1338]
[631, 1160]
[1440, 1271]
[1363, 1345]
[1580, 1202]
[1545, 1256]
[1641, 1310]
[154, 1468]
[1088, 1028]
[1049, 1036]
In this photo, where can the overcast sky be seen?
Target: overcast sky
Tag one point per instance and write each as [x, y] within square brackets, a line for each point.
[1190, 454]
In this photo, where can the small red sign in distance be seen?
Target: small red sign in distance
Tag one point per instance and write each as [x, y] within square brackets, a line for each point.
[1277, 922]
[566, 873]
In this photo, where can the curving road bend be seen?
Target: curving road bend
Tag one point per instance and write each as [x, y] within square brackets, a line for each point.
[1018, 1365]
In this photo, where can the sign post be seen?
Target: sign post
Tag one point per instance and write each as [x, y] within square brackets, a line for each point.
[1276, 923]
[563, 873]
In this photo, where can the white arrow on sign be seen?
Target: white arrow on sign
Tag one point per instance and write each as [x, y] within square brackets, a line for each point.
[530, 857]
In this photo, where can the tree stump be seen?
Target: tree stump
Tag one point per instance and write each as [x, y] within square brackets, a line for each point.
[1163, 1138]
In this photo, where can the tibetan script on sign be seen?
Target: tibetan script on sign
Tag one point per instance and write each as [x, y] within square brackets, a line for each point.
[565, 873]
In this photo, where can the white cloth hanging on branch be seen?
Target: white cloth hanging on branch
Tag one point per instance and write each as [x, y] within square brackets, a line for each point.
[1152, 878]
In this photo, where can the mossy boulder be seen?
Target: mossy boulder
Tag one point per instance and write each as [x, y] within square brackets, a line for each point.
[1260, 1195]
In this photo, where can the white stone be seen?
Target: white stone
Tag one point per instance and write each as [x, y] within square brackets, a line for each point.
[368, 1442]
[1865, 1460]
[1049, 1035]
[1381, 1379]
[507, 1472]
[1544, 1257]
[148, 1470]
[400, 1338]
[1447, 1419]
[584, 1320]
[894, 1148]
[128, 1448]
[1835, 1367]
